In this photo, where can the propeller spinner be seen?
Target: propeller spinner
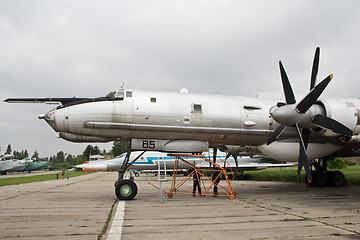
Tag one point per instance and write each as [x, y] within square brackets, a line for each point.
[304, 115]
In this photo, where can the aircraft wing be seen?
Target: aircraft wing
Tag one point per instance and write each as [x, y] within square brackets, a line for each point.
[63, 101]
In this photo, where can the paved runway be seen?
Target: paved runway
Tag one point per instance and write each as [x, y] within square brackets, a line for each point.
[78, 209]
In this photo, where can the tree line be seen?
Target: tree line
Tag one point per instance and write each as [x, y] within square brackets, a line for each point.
[64, 160]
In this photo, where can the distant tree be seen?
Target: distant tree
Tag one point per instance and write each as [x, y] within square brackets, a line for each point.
[25, 153]
[80, 159]
[20, 155]
[90, 150]
[70, 159]
[17, 154]
[35, 155]
[59, 158]
[8, 150]
[119, 148]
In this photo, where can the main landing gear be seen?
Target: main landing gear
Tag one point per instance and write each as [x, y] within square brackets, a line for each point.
[324, 178]
[126, 189]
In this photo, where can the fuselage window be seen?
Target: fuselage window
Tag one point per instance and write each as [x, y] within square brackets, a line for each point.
[196, 108]
[153, 100]
[129, 94]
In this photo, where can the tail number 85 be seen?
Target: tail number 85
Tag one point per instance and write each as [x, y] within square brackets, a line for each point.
[148, 144]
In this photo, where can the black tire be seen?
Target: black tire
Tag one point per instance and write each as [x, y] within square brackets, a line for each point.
[248, 177]
[320, 179]
[125, 190]
[231, 176]
[337, 179]
[241, 177]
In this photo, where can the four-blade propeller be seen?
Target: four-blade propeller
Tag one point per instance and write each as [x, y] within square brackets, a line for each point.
[304, 115]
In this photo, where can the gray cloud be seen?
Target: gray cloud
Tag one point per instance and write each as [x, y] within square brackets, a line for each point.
[89, 48]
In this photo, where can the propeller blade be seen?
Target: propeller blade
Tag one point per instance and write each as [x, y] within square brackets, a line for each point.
[313, 95]
[280, 104]
[315, 68]
[303, 159]
[305, 134]
[275, 134]
[331, 124]
[289, 95]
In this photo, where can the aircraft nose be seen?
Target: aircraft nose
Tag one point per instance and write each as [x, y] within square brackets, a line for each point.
[49, 117]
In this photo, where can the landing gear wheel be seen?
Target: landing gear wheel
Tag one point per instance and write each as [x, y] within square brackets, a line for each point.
[337, 179]
[320, 179]
[125, 190]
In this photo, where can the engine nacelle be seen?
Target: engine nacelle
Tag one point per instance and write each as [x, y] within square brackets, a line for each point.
[345, 111]
[81, 138]
[289, 151]
[183, 146]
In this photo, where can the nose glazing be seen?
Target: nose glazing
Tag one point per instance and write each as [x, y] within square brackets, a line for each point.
[49, 117]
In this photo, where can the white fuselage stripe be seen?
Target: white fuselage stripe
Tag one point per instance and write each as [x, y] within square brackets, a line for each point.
[117, 223]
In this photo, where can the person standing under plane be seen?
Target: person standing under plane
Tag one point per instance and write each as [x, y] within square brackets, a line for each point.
[216, 180]
[196, 183]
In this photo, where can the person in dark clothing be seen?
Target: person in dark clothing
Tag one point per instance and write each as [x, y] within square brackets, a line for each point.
[196, 183]
[216, 180]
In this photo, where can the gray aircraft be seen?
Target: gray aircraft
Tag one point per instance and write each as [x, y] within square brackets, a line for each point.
[308, 131]
[8, 164]
[34, 165]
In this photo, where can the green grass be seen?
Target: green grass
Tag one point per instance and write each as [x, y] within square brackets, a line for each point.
[352, 173]
[37, 178]
[289, 174]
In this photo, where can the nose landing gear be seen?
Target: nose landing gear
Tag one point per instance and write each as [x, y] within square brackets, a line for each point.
[126, 189]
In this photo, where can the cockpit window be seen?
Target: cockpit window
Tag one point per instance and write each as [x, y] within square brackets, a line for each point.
[119, 94]
[128, 94]
[110, 95]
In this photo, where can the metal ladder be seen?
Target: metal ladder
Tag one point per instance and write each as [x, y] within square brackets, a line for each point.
[161, 177]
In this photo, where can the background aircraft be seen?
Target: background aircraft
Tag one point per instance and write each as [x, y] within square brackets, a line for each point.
[305, 131]
[151, 160]
[8, 164]
[33, 165]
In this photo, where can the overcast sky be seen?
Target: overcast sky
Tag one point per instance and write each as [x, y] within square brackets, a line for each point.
[88, 48]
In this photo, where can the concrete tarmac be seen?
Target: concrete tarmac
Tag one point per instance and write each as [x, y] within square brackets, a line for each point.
[58, 209]
[78, 209]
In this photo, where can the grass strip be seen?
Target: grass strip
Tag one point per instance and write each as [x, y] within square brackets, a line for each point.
[106, 225]
[289, 174]
[37, 178]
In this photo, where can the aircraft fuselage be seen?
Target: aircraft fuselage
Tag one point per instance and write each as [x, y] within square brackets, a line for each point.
[217, 119]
